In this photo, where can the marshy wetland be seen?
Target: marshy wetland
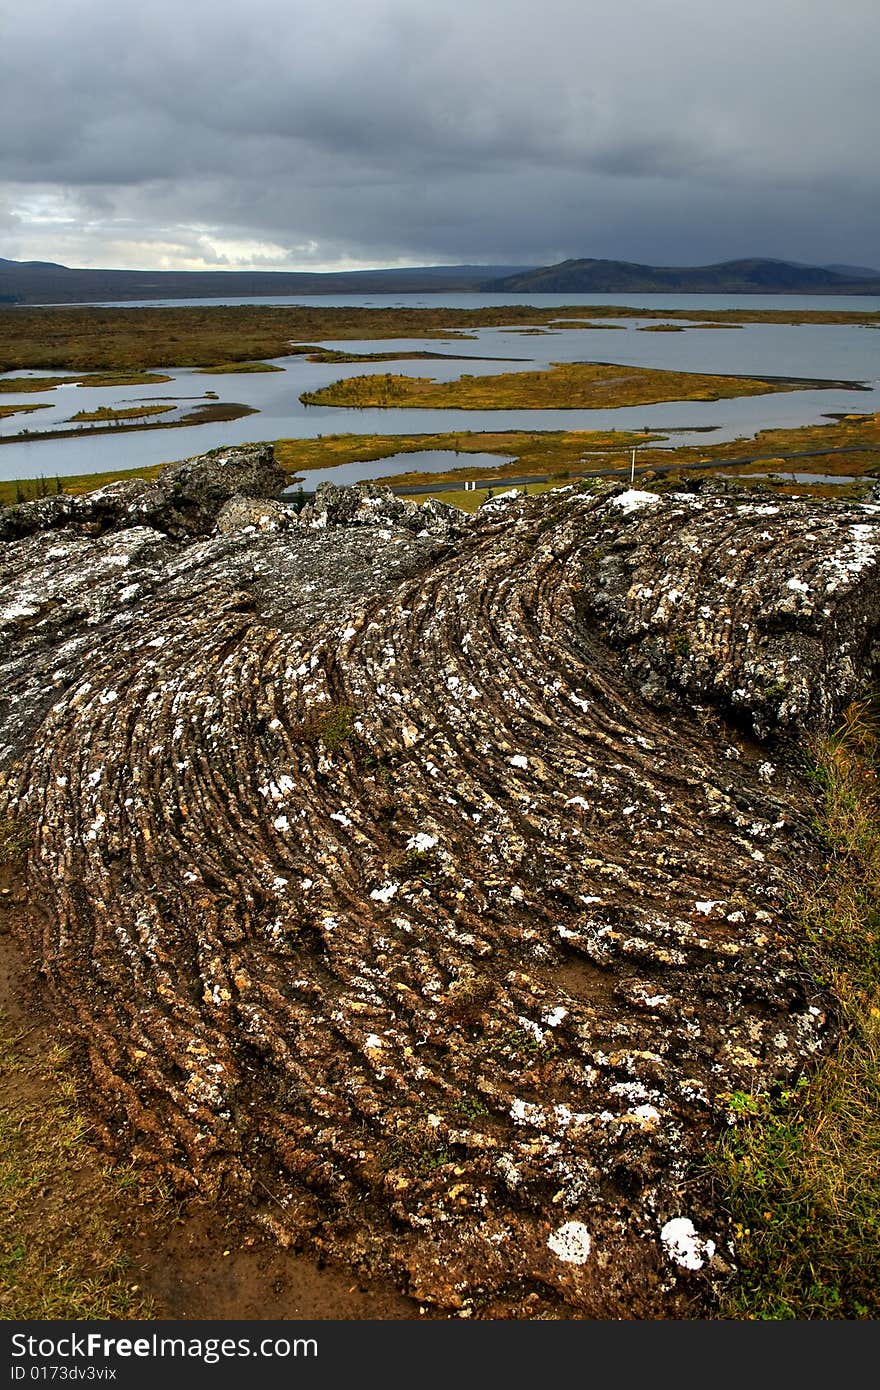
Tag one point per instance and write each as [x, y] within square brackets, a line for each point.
[316, 378]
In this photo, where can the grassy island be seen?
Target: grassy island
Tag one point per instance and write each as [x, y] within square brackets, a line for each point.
[107, 380]
[565, 386]
[105, 414]
[7, 410]
[239, 369]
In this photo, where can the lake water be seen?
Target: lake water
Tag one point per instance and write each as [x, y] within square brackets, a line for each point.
[419, 461]
[809, 351]
[868, 303]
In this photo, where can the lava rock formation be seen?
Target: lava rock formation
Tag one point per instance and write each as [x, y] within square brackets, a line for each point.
[423, 879]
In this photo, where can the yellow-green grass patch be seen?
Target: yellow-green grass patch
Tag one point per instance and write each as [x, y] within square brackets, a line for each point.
[67, 1217]
[799, 1174]
[62, 1215]
[557, 453]
[26, 489]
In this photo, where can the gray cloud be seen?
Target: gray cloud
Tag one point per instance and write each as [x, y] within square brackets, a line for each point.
[383, 131]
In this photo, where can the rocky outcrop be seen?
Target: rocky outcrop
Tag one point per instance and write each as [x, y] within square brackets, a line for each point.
[367, 505]
[430, 891]
[254, 514]
[189, 495]
[184, 501]
[765, 607]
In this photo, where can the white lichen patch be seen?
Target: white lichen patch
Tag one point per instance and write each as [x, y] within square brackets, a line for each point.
[629, 1090]
[571, 1243]
[421, 843]
[509, 1171]
[684, 1246]
[633, 501]
[554, 1017]
[531, 1027]
[648, 1114]
[502, 498]
[524, 1112]
[385, 893]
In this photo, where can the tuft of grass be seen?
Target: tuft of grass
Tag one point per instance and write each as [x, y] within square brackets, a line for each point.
[799, 1173]
[16, 837]
[62, 1232]
[330, 725]
[336, 727]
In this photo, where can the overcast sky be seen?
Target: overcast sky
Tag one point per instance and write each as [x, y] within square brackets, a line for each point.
[278, 134]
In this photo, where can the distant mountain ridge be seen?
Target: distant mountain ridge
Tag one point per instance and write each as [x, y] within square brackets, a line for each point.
[41, 282]
[44, 282]
[749, 276]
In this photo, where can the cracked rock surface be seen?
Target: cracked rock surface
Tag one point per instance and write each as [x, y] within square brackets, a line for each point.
[423, 879]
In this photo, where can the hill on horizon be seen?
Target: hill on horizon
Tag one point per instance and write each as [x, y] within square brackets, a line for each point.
[754, 275]
[43, 282]
[46, 282]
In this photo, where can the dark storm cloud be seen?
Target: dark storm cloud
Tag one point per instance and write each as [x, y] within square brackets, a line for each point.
[382, 130]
